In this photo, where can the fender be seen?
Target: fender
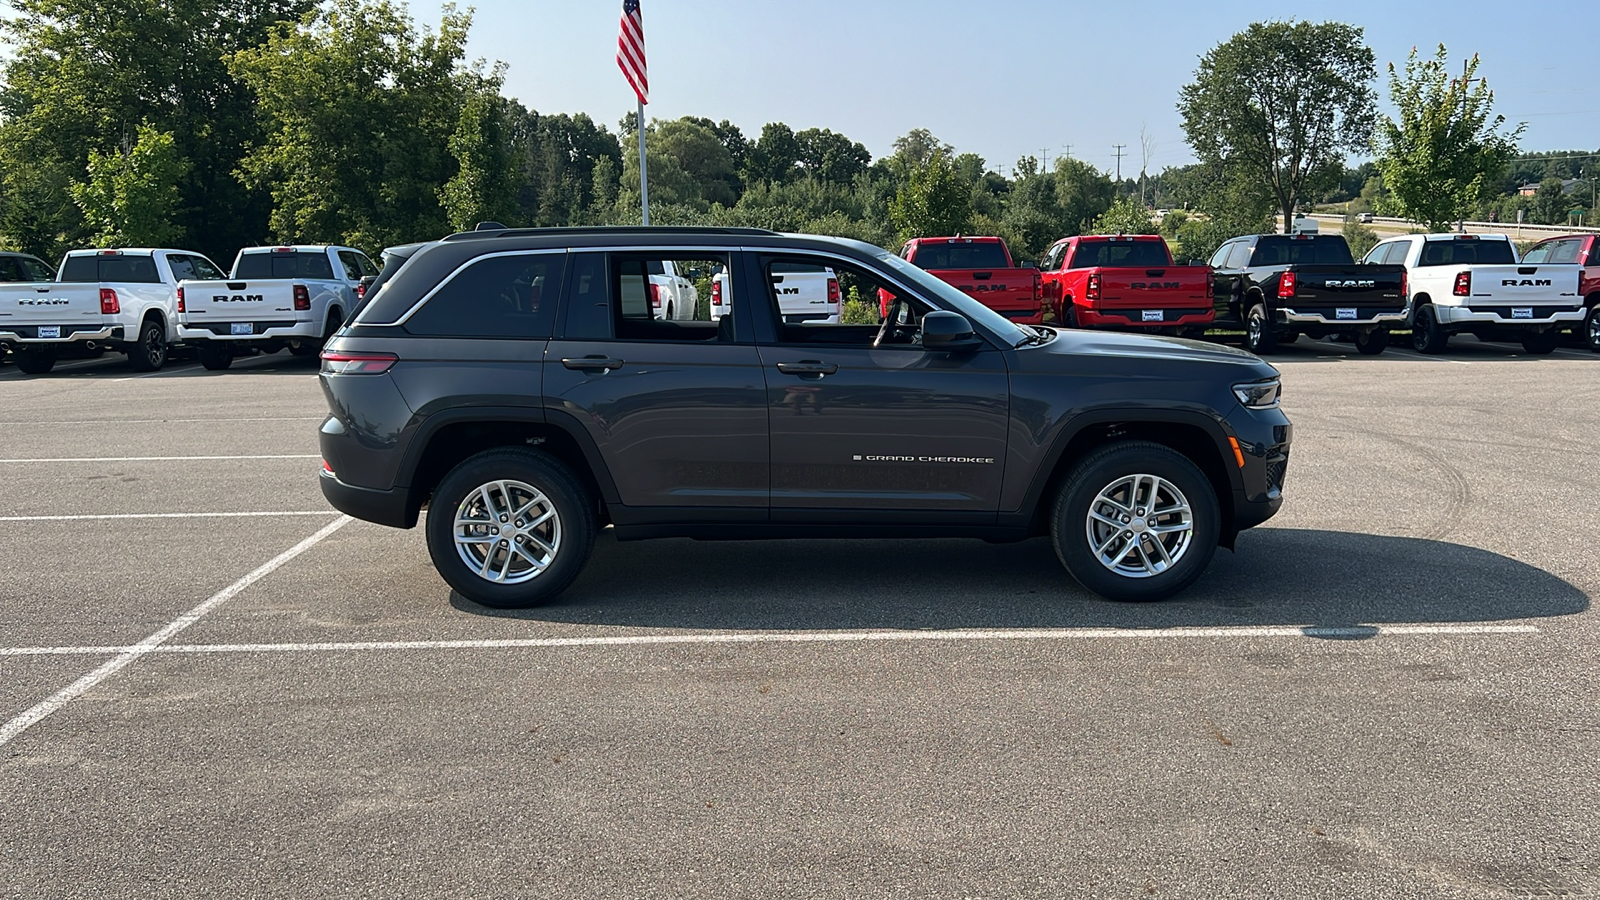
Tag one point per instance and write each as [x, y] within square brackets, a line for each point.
[425, 429]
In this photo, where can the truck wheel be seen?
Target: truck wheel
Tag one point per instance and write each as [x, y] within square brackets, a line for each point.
[1591, 331]
[214, 356]
[1373, 342]
[1259, 336]
[1427, 335]
[36, 360]
[1135, 521]
[510, 528]
[149, 352]
[1540, 343]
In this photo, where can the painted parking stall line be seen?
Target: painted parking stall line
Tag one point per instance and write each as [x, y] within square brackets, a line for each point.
[112, 459]
[1326, 632]
[200, 515]
[128, 655]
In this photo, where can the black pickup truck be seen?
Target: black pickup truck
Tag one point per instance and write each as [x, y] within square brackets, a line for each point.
[1279, 286]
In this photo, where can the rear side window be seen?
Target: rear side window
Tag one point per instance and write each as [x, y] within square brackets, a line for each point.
[1594, 254]
[122, 269]
[1461, 252]
[496, 297]
[1120, 254]
[985, 255]
[308, 264]
[1284, 250]
[1566, 252]
[356, 266]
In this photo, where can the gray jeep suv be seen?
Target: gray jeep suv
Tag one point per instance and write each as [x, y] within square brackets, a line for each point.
[523, 386]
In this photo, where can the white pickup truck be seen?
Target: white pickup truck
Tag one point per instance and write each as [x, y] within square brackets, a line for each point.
[277, 296]
[1474, 284]
[805, 293]
[123, 299]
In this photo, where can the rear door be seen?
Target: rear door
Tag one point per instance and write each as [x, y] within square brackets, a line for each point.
[676, 409]
[887, 433]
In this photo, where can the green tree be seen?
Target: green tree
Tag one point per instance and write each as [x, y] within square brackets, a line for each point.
[1444, 154]
[83, 76]
[1281, 103]
[130, 197]
[1083, 192]
[775, 156]
[361, 109]
[830, 156]
[1126, 216]
[932, 202]
[1550, 202]
[486, 183]
[1360, 238]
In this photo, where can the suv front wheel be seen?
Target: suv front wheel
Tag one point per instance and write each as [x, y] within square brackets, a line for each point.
[510, 528]
[1135, 521]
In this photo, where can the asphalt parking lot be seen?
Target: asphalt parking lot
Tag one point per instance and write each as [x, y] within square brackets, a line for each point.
[212, 685]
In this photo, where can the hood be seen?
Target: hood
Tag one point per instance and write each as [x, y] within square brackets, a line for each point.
[1147, 346]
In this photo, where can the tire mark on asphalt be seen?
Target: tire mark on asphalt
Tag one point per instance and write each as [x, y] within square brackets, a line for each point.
[1457, 493]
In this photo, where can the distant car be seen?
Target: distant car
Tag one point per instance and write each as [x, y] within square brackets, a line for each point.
[1364, 218]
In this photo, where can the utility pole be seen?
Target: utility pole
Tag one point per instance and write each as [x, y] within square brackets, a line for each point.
[1045, 155]
[1466, 100]
[1119, 155]
[1066, 151]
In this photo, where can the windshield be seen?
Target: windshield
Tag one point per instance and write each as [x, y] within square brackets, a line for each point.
[1114, 254]
[950, 298]
[985, 255]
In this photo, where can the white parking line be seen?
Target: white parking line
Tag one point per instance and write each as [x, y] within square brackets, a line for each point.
[213, 421]
[108, 459]
[200, 515]
[127, 655]
[815, 637]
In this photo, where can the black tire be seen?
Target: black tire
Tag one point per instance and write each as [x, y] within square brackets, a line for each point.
[1288, 338]
[1259, 335]
[214, 356]
[36, 360]
[304, 348]
[1591, 329]
[1427, 335]
[1071, 532]
[1372, 343]
[149, 352]
[574, 520]
[314, 348]
[1540, 343]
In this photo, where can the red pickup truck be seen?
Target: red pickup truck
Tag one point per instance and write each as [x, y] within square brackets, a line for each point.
[1582, 250]
[1125, 281]
[981, 268]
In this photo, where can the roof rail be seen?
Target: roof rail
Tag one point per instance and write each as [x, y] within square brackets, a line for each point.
[601, 229]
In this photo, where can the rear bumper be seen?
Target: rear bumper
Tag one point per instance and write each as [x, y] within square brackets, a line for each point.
[1123, 318]
[1539, 315]
[1321, 317]
[29, 335]
[391, 507]
[259, 331]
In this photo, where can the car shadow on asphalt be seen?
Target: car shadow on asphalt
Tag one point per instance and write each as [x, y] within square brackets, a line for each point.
[1279, 576]
[1461, 349]
[112, 367]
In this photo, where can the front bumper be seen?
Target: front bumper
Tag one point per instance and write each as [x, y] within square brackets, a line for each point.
[1264, 436]
[1508, 315]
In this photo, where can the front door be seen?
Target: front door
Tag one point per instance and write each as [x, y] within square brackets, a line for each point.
[892, 428]
[677, 408]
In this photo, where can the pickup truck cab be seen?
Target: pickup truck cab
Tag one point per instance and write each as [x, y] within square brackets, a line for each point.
[1125, 281]
[277, 296]
[125, 299]
[1475, 284]
[1277, 287]
[21, 277]
[981, 268]
[1578, 250]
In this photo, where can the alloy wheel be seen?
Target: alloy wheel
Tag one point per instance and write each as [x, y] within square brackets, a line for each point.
[507, 532]
[1139, 526]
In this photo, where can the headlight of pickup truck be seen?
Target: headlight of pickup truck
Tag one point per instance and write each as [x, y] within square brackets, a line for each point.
[1259, 394]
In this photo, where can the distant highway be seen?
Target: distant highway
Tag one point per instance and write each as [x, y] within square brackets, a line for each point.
[1386, 226]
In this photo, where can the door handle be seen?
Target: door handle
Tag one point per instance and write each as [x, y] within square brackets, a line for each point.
[591, 363]
[808, 367]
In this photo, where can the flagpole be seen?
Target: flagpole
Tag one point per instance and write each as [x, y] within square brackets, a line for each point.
[644, 180]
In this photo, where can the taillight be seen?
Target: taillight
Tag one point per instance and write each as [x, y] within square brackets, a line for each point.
[1286, 286]
[1210, 286]
[180, 300]
[1038, 288]
[1463, 286]
[109, 304]
[1405, 286]
[335, 362]
[302, 297]
[716, 293]
[361, 290]
[1092, 290]
[833, 291]
[655, 295]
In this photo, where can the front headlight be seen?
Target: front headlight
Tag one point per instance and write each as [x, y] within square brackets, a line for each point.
[1259, 394]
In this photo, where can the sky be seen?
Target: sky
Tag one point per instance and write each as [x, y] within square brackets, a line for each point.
[1000, 78]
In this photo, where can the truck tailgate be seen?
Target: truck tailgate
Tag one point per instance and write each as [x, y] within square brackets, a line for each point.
[59, 309]
[240, 307]
[1353, 292]
[1520, 286]
[1169, 287]
[1000, 289]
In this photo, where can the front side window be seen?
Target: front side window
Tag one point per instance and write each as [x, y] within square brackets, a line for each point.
[1219, 259]
[1239, 257]
[511, 296]
[37, 270]
[1375, 255]
[821, 300]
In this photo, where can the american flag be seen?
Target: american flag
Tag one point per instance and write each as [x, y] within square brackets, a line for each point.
[630, 50]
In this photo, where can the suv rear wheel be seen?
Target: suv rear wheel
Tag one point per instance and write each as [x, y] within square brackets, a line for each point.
[1135, 521]
[510, 528]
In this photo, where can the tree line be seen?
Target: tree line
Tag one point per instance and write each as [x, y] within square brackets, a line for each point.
[213, 124]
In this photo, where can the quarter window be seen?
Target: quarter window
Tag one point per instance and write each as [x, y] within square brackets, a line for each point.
[496, 297]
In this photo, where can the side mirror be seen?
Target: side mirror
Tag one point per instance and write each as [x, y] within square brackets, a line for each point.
[1027, 264]
[944, 330]
[1197, 262]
